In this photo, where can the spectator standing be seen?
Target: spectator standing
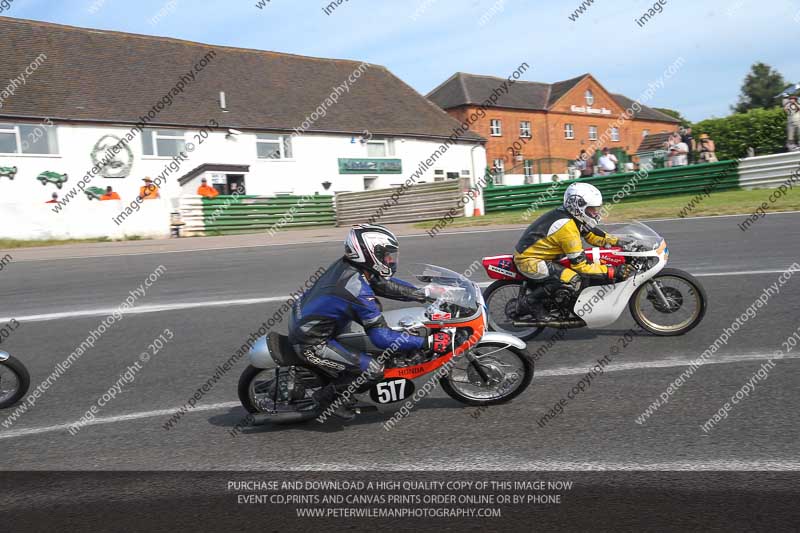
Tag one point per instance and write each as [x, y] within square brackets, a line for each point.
[707, 149]
[679, 155]
[792, 109]
[606, 163]
[588, 169]
[205, 190]
[688, 140]
[148, 191]
[110, 194]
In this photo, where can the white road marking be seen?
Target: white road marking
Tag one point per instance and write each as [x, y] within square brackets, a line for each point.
[711, 216]
[564, 371]
[485, 463]
[114, 419]
[159, 308]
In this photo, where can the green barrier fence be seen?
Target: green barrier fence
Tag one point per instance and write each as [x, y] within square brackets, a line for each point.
[235, 214]
[620, 187]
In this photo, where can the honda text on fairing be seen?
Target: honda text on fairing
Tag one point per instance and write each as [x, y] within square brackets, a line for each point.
[663, 301]
[14, 380]
[475, 367]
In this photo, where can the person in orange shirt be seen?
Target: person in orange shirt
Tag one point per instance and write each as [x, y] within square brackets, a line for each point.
[110, 194]
[148, 191]
[206, 191]
[53, 199]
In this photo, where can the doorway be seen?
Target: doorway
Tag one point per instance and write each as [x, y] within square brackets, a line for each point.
[235, 183]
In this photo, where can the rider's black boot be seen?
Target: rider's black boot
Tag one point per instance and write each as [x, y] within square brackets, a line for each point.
[327, 398]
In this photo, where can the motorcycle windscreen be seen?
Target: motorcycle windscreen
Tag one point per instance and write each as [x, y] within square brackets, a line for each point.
[456, 296]
[641, 233]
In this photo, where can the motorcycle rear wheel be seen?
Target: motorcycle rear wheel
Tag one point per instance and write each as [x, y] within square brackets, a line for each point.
[256, 384]
[20, 381]
[499, 296]
[465, 385]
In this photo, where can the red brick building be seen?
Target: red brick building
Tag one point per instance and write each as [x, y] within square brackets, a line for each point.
[536, 128]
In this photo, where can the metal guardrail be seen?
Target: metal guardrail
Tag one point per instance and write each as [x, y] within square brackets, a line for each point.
[657, 182]
[767, 171]
[239, 214]
[424, 201]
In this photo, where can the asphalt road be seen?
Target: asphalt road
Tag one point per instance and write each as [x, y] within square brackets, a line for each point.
[597, 430]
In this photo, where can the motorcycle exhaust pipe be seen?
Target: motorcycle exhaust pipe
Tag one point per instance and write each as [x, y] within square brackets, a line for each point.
[561, 324]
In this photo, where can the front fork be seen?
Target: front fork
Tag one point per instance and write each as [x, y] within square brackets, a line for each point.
[656, 288]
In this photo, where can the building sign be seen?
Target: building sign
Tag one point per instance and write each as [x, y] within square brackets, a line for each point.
[370, 166]
[590, 110]
[219, 179]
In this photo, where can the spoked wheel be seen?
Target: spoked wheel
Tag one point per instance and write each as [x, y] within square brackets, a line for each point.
[14, 382]
[271, 392]
[501, 300]
[509, 371]
[671, 303]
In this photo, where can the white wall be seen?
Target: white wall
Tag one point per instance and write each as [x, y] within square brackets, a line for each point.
[315, 160]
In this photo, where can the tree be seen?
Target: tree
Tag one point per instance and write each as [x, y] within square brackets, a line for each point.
[674, 114]
[759, 89]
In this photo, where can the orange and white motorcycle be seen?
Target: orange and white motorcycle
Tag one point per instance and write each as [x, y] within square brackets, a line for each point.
[478, 368]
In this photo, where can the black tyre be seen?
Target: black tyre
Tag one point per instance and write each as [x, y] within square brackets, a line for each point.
[500, 297]
[256, 382]
[14, 382]
[465, 384]
[686, 303]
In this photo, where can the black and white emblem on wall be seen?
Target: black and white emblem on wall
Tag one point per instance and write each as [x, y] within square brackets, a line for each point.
[113, 163]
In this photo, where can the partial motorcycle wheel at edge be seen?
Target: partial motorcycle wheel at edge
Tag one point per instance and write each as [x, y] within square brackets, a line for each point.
[23, 380]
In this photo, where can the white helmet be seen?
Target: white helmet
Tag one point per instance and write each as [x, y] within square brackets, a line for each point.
[583, 201]
[373, 248]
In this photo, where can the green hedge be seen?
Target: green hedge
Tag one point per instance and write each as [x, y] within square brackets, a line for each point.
[763, 129]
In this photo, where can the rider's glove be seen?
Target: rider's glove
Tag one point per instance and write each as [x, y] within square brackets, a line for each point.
[434, 292]
[626, 244]
[620, 273]
[439, 342]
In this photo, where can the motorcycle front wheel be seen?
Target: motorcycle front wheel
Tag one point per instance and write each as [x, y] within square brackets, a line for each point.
[671, 303]
[14, 381]
[509, 371]
[501, 298]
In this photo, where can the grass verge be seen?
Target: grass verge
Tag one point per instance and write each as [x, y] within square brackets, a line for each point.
[719, 203]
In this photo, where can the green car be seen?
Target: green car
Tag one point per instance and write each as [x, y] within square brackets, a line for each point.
[52, 177]
[94, 193]
[8, 172]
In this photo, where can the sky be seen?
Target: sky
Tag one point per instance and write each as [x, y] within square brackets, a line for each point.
[424, 42]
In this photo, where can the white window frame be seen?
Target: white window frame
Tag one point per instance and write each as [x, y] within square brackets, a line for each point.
[496, 127]
[527, 166]
[645, 133]
[155, 136]
[592, 133]
[525, 131]
[281, 141]
[385, 145]
[589, 97]
[15, 129]
[569, 131]
[615, 134]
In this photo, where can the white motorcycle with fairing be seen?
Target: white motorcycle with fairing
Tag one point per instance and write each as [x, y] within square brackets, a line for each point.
[664, 301]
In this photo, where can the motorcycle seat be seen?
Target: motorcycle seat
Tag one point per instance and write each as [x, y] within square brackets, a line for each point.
[282, 350]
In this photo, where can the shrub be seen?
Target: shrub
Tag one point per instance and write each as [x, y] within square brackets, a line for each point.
[763, 129]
